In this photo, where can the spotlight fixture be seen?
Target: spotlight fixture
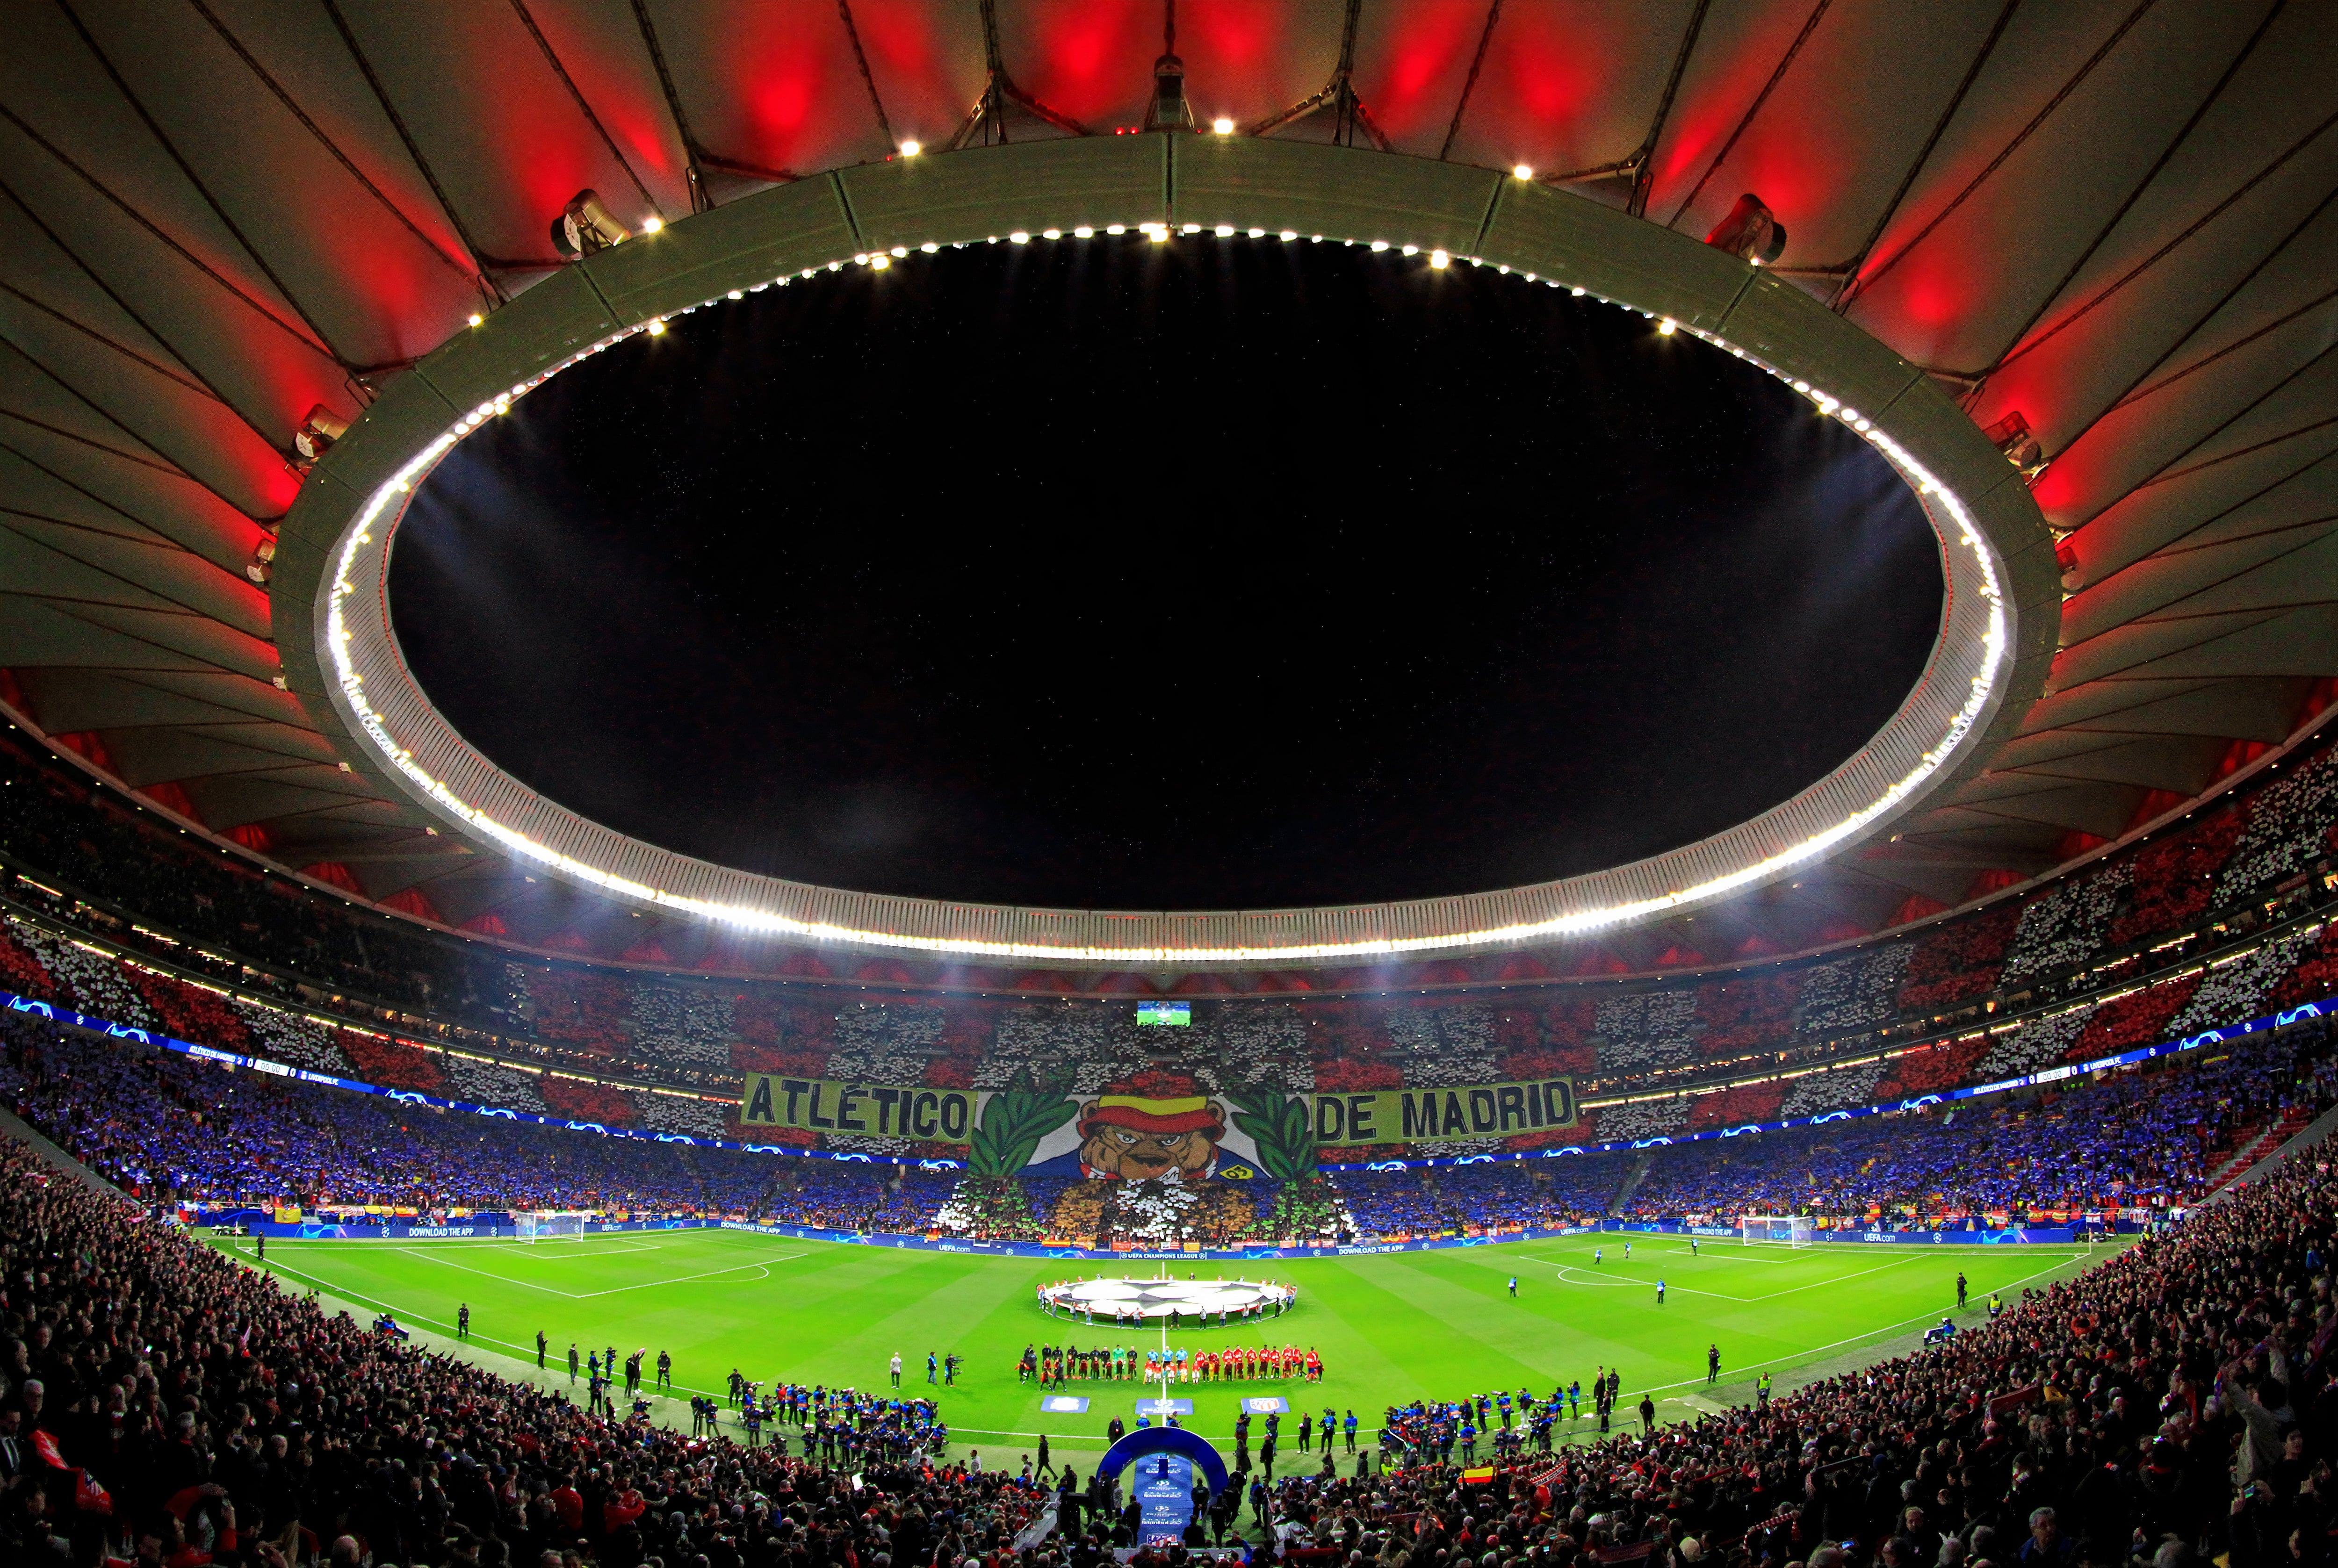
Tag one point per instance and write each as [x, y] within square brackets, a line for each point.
[2013, 436]
[586, 227]
[1665, 328]
[1223, 125]
[1522, 171]
[1751, 232]
[652, 224]
[1168, 110]
[1439, 259]
[657, 325]
[912, 148]
[477, 318]
[263, 556]
[319, 428]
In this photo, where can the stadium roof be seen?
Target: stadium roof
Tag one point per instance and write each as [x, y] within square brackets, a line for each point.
[2112, 219]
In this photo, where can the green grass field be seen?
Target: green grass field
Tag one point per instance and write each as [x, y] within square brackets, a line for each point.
[1391, 1328]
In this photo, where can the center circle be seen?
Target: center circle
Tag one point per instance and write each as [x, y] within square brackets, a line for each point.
[1119, 1300]
[1218, 574]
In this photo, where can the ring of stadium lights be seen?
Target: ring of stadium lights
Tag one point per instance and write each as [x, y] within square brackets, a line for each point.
[334, 566]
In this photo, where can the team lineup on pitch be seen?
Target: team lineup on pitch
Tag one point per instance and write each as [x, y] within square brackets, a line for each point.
[1386, 1329]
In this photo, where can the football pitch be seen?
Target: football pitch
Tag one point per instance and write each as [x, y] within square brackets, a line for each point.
[1391, 1328]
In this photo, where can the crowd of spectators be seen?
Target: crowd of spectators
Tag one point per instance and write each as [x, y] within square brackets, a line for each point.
[165, 1123]
[100, 846]
[170, 1125]
[1389, 1205]
[162, 1406]
[2175, 1406]
[2147, 1138]
[2044, 952]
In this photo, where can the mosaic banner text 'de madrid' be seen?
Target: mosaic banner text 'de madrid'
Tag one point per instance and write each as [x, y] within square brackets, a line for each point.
[1431, 1115]
[1131, 1130]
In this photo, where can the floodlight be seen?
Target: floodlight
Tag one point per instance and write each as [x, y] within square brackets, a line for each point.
[319, 428]
[1751, 232]
[585, 226]
[1167, 110]
[2013, 436]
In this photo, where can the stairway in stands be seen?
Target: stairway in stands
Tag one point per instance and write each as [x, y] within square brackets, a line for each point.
[1631, 1184]
[2255, 1148]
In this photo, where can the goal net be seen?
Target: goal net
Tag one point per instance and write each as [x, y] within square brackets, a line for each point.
[1793, 1230]
[551, 1224]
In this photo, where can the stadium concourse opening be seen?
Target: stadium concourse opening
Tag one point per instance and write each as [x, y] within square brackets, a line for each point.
[1219, 574]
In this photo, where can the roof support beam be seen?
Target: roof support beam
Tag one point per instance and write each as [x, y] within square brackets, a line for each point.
[1639, 164]
[585, 107]
[489, 264]
[1477, 63]
[174, 467]
[187, 170]
[2280, 160]
[699, 198]
[868, 79]
[988, 114]
[1338, 94]
[2253, 447]
[1786, 64]
[2006, 355]
[127, 352]
[126, 308]
[1843, 271]
[123, 205]
[461, 268]
[1860, 284]
[2136, 389]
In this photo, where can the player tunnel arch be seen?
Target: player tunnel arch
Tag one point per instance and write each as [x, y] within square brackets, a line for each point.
[1176, 1440]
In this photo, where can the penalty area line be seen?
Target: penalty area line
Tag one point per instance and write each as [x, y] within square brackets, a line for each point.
[761, 1267]
[1885, 1329]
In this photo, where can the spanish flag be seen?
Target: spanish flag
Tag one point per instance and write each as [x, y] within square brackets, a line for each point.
[1482, 1475]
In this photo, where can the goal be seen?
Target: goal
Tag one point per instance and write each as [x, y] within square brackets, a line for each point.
[551, 1224]
[1793, 1230]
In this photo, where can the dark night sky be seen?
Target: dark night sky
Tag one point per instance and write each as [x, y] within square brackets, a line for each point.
[1228, 574]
